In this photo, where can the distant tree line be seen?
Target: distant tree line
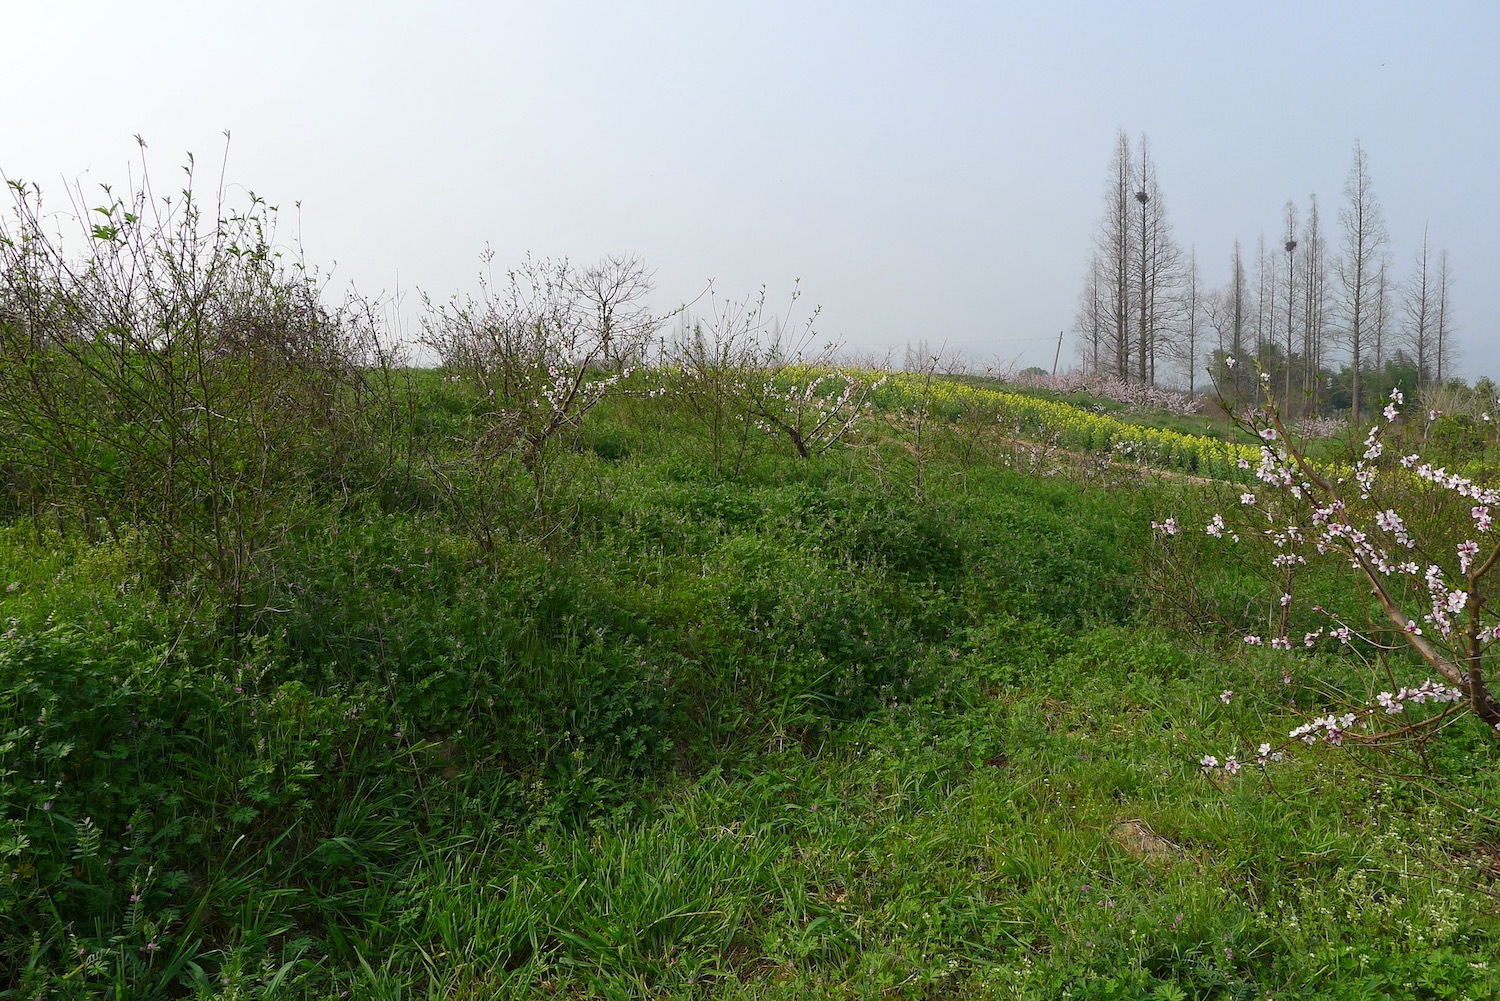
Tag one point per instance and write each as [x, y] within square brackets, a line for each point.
[1333, 326]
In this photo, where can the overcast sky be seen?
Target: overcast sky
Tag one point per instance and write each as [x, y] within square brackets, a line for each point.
[929, 171]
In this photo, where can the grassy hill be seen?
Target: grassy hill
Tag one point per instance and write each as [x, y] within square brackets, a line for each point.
[661, 708]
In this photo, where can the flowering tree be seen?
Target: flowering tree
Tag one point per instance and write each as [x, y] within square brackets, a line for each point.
[1418, 537]
[1136, 395]
[544, 347]
[541, 349]
[814, 412]
[744, 367]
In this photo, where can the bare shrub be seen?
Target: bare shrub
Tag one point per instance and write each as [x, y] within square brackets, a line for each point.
[541, 348]
[172, 378]
[746, 368]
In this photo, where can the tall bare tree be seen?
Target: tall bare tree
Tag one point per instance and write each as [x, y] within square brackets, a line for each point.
[1359, 266]
[1158, 268]
[1380, 310]
[1092, 322]
[1265, 294]
[1444, 329]
[1419, 307]
[1227, 310]
[1114, 251]
[1289, 245]
[1314, 247]
[1126, 309]
[1189, 343]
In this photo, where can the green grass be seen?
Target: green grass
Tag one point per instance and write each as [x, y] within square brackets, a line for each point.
[670, 727]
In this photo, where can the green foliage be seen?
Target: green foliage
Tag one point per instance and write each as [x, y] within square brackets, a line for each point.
[131, 769]
[181, 385]
[1458, 440]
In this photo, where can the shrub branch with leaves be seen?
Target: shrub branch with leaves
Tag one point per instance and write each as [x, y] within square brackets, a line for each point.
[171, 379]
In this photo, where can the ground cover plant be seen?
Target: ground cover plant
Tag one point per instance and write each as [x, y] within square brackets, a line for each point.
[591, 682]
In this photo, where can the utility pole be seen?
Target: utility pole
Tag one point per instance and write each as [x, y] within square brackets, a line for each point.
[1058, 355]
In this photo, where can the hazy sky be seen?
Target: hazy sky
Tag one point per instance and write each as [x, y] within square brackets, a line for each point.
[929, 171]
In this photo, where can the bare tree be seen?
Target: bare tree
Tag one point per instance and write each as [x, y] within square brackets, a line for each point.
[537, 342]
[1443, 333]
[1289, 244]
[1188, 345]
[1419, 308]
[1158, 267]
[1114, 252]
[1359, 266]
[1227, 312]
[1092, 322]
[1265, 291]
[1314, 301]
[613, 293]
[1380, 310]
[1127, 305]
[1234, 310]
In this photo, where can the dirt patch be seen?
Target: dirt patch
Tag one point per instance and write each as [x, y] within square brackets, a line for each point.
[1143, 843]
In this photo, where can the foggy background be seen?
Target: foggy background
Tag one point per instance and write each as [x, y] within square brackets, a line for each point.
[929, 173]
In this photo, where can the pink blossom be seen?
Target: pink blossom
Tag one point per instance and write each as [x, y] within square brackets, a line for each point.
[1330, 727]
[1467, 550]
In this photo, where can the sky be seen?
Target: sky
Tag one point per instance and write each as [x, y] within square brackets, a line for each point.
[924, 172]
